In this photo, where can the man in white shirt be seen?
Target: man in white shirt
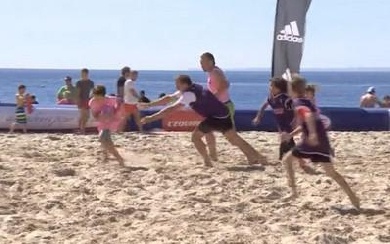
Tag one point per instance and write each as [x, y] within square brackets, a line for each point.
[131, 98]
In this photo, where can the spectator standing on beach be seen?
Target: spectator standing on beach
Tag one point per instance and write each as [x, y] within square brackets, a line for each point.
[217, 84]
[84, 87]
[121, 82]
[131, 98]
[20, 112]
[369, 100]
[67, 94]
[143, 98]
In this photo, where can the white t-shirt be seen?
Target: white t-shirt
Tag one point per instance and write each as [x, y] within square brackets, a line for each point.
[184, 98]
[129, 98]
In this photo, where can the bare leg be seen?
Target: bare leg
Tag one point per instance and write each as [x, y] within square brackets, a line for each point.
[252, 155]
[201, 147]
[331, 172]
[110, 148]
[137, 118]
[308, 169]
[288, 160]
[84, 113]
[105, 154]
[212, 145]
[24, 127]
[12, 128]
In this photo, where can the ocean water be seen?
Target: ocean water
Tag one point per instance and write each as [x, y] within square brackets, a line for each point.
[248, 88]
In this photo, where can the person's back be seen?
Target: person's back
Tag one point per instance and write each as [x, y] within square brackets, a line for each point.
[206, 104]
[281, 105]
[212, 85]
[108, 108]
[369, 100]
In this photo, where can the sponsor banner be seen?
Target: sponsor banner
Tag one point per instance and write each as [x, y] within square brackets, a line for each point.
[44, 118]
[289, 36]
[182, 120]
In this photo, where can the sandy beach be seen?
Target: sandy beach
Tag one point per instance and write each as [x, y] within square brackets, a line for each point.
[54, 190]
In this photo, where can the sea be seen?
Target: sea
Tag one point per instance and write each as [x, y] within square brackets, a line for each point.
[248, 88]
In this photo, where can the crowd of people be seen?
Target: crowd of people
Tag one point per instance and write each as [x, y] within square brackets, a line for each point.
[292, 102]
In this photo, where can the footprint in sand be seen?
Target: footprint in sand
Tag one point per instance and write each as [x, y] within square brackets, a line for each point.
[134, 161]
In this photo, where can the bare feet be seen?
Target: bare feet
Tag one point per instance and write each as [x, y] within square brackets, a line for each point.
[292, 196]
[259, 160]
[207, 163]
[213, 157]
[355, 201]
[121, 161]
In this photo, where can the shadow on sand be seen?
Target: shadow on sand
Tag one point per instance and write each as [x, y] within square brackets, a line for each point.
[344, 210]
[246, 168]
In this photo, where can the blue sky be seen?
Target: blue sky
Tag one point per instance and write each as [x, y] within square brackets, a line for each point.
[171, 34]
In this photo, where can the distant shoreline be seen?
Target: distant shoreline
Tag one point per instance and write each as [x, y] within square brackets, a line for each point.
[231, 69]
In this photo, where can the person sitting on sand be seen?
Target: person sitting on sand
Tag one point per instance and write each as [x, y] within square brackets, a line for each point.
[281, 105]
[20, 112]
[105, 111]
[67, 94]
[386, 102]
[315, 144]
[369, 100]
[216, 115]
[143, 98]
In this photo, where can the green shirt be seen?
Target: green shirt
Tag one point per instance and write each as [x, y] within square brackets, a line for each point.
[69, 93]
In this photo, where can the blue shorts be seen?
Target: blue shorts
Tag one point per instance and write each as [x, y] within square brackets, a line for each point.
[105, 136]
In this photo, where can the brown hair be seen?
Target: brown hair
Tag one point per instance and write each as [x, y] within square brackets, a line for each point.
[86, 71]
[311, 88]
[298, 84]
[184, 79]
[99, 90]
[209, 56]
[125, 70]
[280, 83]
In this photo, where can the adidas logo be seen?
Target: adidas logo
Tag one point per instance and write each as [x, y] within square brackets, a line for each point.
[290, 33]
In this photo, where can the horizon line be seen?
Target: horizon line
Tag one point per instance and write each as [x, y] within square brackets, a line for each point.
[226, 69]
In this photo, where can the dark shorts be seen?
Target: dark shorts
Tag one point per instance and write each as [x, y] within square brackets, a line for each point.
[215, 124]
[285, 147]
[105, 136]
[315, 155]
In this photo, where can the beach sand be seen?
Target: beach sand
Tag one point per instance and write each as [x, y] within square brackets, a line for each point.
[54, 190]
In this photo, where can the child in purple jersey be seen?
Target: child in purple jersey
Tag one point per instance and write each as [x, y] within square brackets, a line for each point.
[216, 117]
[281, 105]
[315, 144]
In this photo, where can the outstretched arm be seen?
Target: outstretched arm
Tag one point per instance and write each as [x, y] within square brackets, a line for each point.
[260, 113]
[185, 99]
[162, 113]
[160, 102]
